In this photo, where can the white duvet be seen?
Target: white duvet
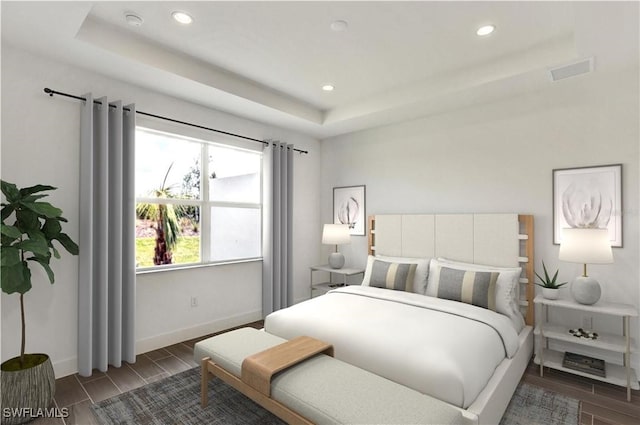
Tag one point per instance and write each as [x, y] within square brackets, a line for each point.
[443, 348]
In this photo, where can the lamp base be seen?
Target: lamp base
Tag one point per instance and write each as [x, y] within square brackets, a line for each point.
[336, 260]
[585, 290]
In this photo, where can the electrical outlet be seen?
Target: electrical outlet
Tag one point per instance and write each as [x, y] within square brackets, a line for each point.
[587, 323]
[194, 302]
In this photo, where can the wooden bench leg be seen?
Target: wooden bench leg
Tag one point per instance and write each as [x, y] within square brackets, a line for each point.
[204, 382]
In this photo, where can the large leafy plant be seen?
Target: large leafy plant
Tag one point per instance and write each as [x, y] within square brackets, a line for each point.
[29, 240]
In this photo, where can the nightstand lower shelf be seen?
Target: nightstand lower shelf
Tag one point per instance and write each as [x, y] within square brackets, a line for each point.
[324, 287]
[616, 374]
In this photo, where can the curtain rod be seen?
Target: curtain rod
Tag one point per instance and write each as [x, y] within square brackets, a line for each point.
[52, 92]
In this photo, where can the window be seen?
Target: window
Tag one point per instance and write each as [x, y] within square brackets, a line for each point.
[182, 218]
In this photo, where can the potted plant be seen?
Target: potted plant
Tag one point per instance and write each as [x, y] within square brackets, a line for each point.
[549, 285]
[28, 380]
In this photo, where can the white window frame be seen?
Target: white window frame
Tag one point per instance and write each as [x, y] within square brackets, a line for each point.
[205, 205]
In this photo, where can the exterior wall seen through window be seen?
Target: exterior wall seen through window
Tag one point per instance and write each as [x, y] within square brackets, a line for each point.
[183, 219]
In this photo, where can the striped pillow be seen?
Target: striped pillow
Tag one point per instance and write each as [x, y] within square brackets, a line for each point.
[398, 276]
[471, 287]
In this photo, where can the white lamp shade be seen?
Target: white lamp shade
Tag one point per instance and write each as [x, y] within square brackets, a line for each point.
[336, 234]
[587, 246]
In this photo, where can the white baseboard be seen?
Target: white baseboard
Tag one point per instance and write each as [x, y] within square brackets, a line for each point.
[65, 367]
[170, 338]
[70, 366]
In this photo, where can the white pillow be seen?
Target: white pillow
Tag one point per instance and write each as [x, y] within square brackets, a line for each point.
[420, 278]
[507, 286]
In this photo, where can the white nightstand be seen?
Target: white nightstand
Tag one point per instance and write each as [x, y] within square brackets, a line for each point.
[322, 288]
[615, 374]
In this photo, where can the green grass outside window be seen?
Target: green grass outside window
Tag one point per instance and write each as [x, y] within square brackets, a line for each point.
[186, 252]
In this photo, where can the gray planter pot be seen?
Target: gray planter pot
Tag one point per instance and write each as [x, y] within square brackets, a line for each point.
[26, 389]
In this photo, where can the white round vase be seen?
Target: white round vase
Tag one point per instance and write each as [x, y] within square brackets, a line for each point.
[336, 260]
[585, 290]
[550, 293]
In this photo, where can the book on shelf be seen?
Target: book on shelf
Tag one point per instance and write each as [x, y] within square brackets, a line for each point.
[585, 364]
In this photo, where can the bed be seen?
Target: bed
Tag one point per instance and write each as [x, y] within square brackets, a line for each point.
[468, 356]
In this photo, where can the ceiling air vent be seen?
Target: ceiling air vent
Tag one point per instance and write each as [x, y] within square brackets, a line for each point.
[582, 66]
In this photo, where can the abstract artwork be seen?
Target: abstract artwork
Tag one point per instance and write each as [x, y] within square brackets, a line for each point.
[588, 197]
[349, 208]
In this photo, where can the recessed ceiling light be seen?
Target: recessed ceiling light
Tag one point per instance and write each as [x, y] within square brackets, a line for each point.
[339, 26]
[182, 17]
[327, 87]
[485, 30]
[133, 19]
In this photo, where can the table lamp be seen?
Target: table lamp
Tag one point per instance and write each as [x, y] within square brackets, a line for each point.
[580, 245]
[336, 234]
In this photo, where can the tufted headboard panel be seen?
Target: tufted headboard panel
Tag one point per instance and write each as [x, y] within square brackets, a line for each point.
[504, 240]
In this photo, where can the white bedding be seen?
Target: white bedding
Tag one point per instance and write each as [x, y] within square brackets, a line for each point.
[443, 348]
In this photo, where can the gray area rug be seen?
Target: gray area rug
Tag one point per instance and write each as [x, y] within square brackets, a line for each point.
[531, 405]
[176, 400]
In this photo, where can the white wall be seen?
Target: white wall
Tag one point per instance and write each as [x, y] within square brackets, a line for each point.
[499, 157]
[40, 144]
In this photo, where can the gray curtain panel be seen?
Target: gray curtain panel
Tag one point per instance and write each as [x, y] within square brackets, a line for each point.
[277, 264]
[106, 284]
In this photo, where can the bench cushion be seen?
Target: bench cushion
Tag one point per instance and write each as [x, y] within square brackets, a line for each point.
[328, 391]
[230, 348]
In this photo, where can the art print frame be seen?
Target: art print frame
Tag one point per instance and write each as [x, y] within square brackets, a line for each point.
[349, 207]
[588, 197]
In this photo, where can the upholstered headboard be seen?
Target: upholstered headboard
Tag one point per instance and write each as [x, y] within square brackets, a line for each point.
[493, 239]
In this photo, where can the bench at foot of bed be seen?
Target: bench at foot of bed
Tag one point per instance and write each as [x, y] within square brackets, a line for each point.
[319, 389]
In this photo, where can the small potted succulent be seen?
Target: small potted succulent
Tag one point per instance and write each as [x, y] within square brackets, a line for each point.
[550, 287]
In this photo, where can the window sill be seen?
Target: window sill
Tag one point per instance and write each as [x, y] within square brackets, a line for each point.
[176, 267]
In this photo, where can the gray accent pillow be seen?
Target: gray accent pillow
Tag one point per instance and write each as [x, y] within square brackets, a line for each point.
[398, 276]
[419, 279]
[471, 287]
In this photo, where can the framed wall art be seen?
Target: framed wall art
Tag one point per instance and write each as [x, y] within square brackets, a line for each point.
[588, 197]
[349, 208]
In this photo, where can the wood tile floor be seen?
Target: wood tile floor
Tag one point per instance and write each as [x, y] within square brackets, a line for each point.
[601, 403]
[77, 393]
